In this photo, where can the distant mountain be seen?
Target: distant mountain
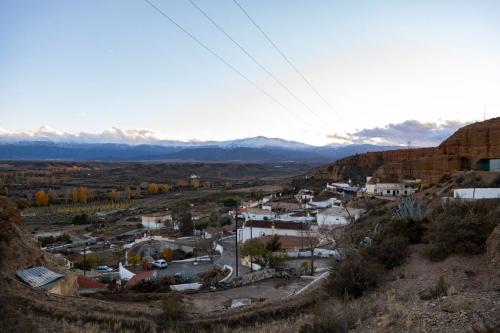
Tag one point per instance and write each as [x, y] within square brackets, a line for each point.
[259, 149]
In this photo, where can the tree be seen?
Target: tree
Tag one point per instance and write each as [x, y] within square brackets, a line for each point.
[52, 195]
[128, 193]
[74, 195]
[228, 185]
[255, 249]
[164, 188]
[167, 253]
[41, 198]
[153, 188]
[83, 194]
[134, 260]
[181, 183]
[113, 194]
[195, 183]
[274, 244]
[182, 214]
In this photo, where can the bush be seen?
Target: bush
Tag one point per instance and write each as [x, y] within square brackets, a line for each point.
[337, 316]
[173, 307]
[439, 290]
[410, 228]
[354, 276]
[462, 228]
[389, 252]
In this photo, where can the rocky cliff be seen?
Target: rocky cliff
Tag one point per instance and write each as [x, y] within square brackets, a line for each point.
[462, 151]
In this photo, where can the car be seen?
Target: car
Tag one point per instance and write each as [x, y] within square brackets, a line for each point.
[104, 269]
[160, 263]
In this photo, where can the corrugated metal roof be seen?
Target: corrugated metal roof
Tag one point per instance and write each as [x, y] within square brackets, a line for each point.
[38, 276]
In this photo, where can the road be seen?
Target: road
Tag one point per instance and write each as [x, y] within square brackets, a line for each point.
[228, 255]
[187, 268]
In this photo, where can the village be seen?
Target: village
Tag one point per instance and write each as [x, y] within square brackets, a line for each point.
[270, 246]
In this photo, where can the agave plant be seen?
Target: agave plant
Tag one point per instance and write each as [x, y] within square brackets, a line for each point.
[409, 207]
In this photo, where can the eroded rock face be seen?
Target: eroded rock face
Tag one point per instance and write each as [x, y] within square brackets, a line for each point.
[459, 152]
[18, 249]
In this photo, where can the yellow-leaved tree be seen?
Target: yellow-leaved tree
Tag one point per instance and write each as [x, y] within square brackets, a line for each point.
[153, 188]
[41, 198]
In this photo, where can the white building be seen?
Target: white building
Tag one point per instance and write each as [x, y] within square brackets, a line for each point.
[336, 216]
[258, 214]
[389, 189]
[156, 221]
[476, 193]
[334, 187]
[255, 229]
[304, 195]
[299, 216]
[323, 204]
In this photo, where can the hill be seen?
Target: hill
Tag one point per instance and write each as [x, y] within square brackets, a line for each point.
[467, 149]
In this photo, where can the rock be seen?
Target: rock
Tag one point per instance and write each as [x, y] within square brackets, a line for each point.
[461, 151]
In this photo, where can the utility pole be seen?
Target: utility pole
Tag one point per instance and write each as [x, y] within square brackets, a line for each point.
[236, 240]
[84, 260]
[251, 257]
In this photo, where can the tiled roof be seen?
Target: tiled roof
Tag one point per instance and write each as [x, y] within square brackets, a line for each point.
[88, 283]
[144, 276]
[291, 242]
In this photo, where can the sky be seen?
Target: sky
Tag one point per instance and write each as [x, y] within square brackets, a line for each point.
[390, 71]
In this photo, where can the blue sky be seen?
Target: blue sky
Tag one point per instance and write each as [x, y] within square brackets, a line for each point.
[87, 66]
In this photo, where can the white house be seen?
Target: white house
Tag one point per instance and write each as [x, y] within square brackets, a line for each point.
[156, 221]
[304, 195]
[258, 214]
[299, 216]
[389, 189]
[335, 187]
[255, 229]
[335, 216]
[194, 176]
[476, 193]
[323, 204]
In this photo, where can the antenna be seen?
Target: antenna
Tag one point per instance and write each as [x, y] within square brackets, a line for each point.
[484, 112]
[409, 144]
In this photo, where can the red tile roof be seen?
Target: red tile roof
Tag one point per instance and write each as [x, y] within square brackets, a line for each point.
[291, 242]
[88, 283]
[140, 277]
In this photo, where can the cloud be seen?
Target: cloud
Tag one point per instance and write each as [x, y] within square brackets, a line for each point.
[416, 133]
[111, 135]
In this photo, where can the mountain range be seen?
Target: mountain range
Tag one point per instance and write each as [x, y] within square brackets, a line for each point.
[256, 149]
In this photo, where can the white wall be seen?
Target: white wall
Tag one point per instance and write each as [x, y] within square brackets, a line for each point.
[477, 193]
[244, 235]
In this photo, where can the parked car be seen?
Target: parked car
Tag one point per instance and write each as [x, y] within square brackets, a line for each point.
[160, 263]
[104, 269]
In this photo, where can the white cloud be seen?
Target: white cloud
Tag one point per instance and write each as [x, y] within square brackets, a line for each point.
[422, 134]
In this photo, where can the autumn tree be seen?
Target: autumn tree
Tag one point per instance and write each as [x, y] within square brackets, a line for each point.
[41, 198]
[164, 188]
[167, 253]
[195, 183]
[153, 188]
[74, 195]
[83, 194]
[52, 195]
[228, 185]
[128, 193]
[113, 194]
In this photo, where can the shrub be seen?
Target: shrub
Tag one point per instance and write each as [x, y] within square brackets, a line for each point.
[412, 229]
[173, 307]
[440, 289]
[389, 252]
[354, 276]
[462, 227]
[337, 316]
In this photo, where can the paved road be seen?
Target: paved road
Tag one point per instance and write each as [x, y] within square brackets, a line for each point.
[228, 255]
[188, 268]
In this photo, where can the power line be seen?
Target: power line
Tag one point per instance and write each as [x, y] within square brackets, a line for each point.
[224, 61]
[285, 57]
[253, 58]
